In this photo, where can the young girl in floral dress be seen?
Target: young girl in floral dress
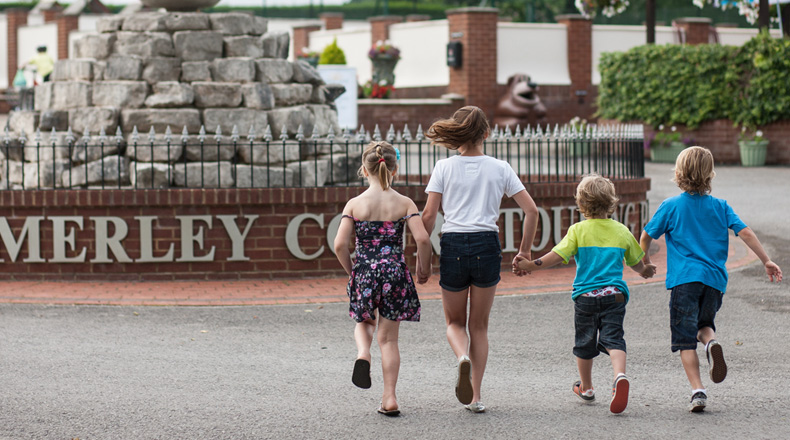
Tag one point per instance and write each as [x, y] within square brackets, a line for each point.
[380, 282]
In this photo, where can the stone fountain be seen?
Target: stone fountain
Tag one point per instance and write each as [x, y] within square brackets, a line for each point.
[145, 76]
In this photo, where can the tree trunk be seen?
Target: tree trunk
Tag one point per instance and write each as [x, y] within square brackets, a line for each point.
[650, 21]
[764, 17]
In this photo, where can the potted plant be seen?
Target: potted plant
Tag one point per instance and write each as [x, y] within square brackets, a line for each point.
[310, 56]
[379, 90]
[666, 145]
[384, 57]
[753, 147]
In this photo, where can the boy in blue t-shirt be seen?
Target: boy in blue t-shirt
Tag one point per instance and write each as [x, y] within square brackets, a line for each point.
[599, 245]
[695, 224]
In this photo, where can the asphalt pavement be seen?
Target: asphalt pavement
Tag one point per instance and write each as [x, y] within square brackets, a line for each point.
[283, 372]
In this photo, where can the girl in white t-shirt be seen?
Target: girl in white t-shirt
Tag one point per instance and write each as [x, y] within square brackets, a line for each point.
[469, 189]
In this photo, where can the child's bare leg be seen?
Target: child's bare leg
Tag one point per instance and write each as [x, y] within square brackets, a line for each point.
[454, 304]
[363, 336]
[705, 334]
[481, 300]
[390, 361]
[691, 365]
[618, 362]
[585, 372]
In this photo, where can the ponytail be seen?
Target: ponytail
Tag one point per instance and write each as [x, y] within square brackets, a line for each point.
[380, 159]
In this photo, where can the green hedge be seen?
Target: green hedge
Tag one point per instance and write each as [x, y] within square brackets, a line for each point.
[351, 11]
[679, 84]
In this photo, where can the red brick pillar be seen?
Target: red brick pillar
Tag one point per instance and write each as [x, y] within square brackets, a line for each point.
[302, 35]
[579, 31]
[332, 20]
[51, 15]
[15, 18]
[66, 24]
[476, 29]
[696, 29]
[380, 27]
[411, 18]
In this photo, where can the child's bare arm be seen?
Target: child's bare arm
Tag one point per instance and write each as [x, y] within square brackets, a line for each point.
[549, 260]
[644, 243]
[771, 269]
[343, 240]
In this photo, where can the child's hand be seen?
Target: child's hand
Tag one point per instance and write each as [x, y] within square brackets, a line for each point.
[773, 271]
[648, 271]
[520, 262]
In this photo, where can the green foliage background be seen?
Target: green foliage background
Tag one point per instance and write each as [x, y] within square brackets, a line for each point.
[680, 84]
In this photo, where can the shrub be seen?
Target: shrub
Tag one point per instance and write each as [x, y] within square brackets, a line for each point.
[332, 54]
[678, 84]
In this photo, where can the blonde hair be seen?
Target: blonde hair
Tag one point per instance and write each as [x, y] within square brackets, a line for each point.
[380, 159]
[467, 126]
[694, 170]
[596, 196]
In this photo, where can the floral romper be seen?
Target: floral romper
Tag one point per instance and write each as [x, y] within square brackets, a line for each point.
[380, 279]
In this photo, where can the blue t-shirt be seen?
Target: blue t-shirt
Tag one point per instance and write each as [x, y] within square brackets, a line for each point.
[599, 246]
[697, 238]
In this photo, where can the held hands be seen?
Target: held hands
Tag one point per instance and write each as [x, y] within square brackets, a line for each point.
[423, 273]
[773, 271]
[648, 271]
[521, 263]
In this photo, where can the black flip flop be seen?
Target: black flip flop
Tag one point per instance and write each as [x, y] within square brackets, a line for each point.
[361, 375]
[389, 412]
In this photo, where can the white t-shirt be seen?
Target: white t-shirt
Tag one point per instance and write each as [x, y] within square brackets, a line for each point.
[472, 189]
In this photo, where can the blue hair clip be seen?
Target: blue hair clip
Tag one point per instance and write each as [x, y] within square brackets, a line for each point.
[397, 153]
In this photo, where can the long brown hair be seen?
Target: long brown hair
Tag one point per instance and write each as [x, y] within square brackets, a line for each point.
[467, 126]
[380, 159]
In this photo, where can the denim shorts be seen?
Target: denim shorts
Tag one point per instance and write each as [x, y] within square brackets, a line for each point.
[599, 325]
[692, 306]
[467, 259]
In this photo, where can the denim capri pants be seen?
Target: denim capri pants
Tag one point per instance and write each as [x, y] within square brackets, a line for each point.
[467, 259]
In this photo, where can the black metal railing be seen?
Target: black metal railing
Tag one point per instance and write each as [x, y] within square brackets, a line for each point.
[213, 161]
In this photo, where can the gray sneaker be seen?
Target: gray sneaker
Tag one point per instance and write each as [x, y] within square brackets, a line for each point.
[698, 402]
[476, 407]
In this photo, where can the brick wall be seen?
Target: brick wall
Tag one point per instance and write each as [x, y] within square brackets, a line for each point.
[380, 27]
[15, 18]
[476, 79]
[332, 20]
[721, 138]
[66, 24]
[696, 30]
[265, 244]
[302, 35]
[413, 112]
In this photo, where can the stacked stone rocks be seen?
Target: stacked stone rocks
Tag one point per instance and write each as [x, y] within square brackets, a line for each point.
[151, 72]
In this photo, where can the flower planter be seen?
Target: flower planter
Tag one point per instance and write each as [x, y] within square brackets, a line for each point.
[666, 154]
[753, 153]
[384, 69]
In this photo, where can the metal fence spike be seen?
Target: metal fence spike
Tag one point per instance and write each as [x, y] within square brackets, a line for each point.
[267, 134]
[22, 138]
[376, 133]
[406, 133]
[517, 132]
[168, 135]
[300, 133]
[234, 133]
[251, 134]
[118, 134]
[218, 134]
[102, 136]
[508, 133]
[53, 136]
[391, 133]
[284, 134]
[420, 135]
[37, 137]
[330, 135]
[184, 135]
[361, 134]
[346, 134]
[151, 135]
[202, 134]
[70, 135]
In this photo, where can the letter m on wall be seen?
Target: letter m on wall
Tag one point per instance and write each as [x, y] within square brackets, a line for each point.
[30, 230]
